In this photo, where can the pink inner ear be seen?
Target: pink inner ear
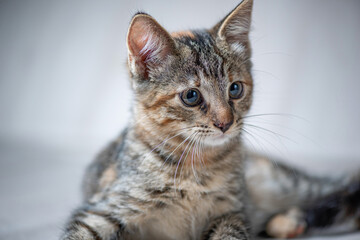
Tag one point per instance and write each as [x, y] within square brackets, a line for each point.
[141, 51]
[138, 39]
[149, 44]
[148, 41]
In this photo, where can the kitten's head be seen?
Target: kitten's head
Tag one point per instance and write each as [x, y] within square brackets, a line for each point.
[192, 83]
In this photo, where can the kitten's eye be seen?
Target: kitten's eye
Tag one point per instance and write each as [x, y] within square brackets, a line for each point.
[236, 90]
[191, 97]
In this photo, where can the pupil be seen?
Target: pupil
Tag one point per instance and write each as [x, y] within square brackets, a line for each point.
[191, 96]
[234, 88]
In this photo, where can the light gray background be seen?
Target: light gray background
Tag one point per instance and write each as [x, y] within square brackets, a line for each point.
[64, 92]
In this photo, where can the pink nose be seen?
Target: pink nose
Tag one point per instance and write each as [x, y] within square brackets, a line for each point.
[223, 126]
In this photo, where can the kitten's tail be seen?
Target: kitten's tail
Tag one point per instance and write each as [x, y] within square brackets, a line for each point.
[337, 212]
[337, 208]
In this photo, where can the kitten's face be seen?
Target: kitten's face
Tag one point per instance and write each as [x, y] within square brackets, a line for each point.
[195, 84]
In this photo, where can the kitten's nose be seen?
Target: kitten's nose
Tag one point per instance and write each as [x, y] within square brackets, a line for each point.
[222, 116]
[223, 126]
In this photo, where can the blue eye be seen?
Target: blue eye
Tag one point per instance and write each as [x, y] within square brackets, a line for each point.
[191, 97]
[236, 90]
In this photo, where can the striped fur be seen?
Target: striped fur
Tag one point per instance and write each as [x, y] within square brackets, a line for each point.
[175, 173]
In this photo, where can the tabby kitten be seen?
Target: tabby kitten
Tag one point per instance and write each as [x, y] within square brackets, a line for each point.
[179, 170]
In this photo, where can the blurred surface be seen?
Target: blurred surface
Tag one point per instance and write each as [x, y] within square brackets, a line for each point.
[64, 92]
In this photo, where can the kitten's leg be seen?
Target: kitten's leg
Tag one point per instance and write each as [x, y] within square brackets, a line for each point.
[230, 226]
[287, 225]
[92, 225]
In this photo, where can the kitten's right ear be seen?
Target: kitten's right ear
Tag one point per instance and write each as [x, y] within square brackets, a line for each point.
[149, 45]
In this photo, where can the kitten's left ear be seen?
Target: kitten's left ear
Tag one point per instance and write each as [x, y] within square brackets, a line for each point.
[235, 27]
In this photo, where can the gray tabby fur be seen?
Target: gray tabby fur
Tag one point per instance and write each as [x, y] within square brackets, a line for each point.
[142, 187]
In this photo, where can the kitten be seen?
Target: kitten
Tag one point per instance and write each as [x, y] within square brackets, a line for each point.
[179, 170]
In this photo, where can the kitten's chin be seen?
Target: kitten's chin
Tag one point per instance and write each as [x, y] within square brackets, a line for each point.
[217, 140]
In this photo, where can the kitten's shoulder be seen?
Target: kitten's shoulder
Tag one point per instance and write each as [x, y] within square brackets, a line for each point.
[103, 170]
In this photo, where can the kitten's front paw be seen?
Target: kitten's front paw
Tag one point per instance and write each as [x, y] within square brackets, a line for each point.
[286, 225]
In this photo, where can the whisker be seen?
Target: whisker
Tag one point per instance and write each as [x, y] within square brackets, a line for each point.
[283, 155]
[176, 149]
[192, 137]
[163, 142]
[186, 128]
[261, 145]
[276, 114]
[287, 128]
[192, 164]
[273, 53]
[198, 152]
[195, 148]
[258, 39]
[270, 74]
[272, 132]
[192, 143]
[187, 147]
[269, 142]
[248, 140]
[255, 139]
[269, 157]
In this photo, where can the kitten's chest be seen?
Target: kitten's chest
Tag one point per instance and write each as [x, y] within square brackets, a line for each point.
[189, 217]
[186, 213]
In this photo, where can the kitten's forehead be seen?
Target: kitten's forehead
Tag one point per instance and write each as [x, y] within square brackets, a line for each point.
[205, 55]
[201, 55]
